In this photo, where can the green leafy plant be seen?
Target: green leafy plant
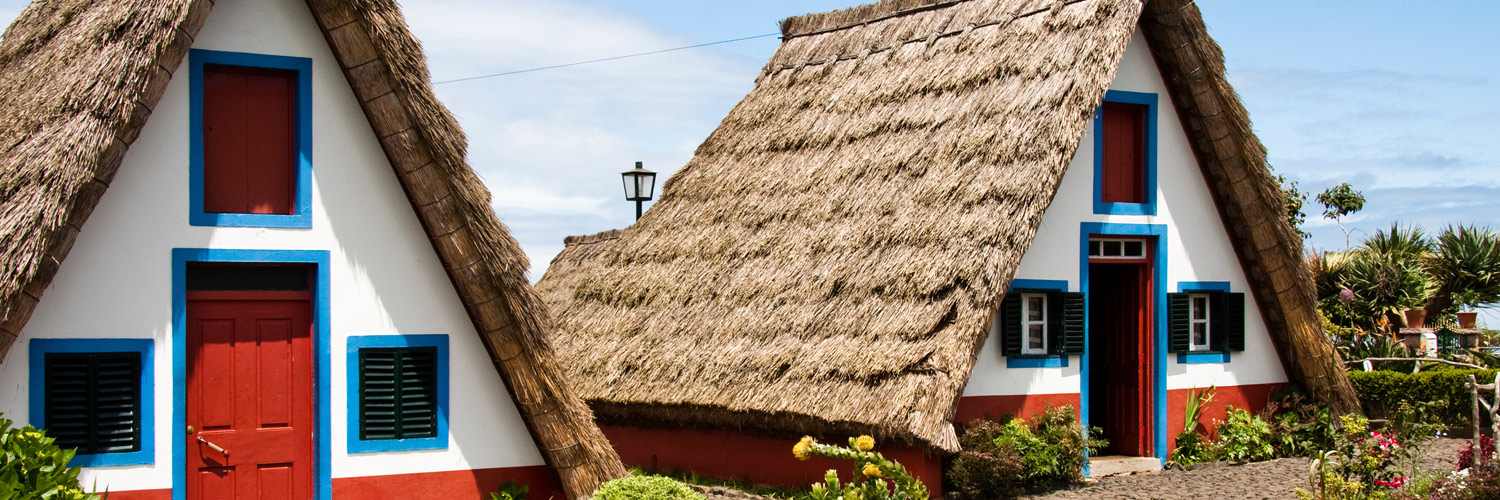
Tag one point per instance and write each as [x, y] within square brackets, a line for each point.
[875, 477]
[1000, 460]
[646, 488]
[1244, 436]
[1465, 265]
[33, 467]
[511, 490]
[1192, 446]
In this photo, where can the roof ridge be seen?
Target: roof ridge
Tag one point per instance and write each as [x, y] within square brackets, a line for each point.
[925, 38]
[612, 234]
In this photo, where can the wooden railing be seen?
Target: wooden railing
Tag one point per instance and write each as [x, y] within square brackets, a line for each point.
[1492, 406]
[1369, 366]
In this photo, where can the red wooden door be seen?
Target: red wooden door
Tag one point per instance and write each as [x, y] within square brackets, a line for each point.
[1120, 352]
[249, 396]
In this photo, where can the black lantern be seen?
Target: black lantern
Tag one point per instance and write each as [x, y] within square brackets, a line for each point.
[639, 184]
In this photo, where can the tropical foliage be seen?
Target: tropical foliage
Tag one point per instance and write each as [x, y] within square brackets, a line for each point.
[33, 467]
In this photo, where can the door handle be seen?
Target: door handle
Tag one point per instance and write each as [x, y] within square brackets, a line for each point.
[214, 447]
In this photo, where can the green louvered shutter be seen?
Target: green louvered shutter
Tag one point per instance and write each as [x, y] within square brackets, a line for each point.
[1179, 329]
[1229, 316]
[92, 401]
[397, 393]
[1054, 323]
[1010, 324]
[1072, 322]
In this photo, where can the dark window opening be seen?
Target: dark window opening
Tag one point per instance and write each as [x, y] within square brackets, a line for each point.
[93, 401]
[248, 277]
[398, 393]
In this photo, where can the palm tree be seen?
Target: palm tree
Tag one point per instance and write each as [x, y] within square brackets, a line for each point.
[1465, 266]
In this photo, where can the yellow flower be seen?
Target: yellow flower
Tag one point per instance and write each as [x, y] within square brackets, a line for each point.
[865, 443]
[872, 471]
[803, 449]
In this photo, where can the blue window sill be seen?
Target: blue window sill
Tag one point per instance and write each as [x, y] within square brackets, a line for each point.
[1202, 358]
[1036, 361]
[299, 221]
[1107, 208]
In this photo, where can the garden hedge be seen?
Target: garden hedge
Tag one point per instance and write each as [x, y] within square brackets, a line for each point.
[1383, 391]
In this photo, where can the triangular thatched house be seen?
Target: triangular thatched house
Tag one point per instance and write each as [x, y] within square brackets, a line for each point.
[922, 214]
[244, 257]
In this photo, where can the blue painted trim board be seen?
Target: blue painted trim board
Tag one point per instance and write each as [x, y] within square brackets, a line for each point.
[1159, 301]
[1148, 100]
[1037, 361]
[37, 392]
[1202, 286]
[322, 435]
[301, 218]
[438, 442]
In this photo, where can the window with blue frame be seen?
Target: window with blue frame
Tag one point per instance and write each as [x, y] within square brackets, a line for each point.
[398, 392]
[1125, 154]
[1040, 324]
[1205, 322]
[251, 144]
[95, 395]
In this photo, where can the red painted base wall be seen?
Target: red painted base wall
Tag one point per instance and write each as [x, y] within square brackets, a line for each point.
[459, 484]
[759, 460]
[1250, 397]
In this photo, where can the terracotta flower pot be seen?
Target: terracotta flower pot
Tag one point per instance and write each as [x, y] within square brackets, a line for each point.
[1467, 319]
[1415, 318]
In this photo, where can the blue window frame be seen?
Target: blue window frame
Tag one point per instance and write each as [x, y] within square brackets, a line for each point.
[145, 452]
[356, 344]
[1037, 360]
[301, 216]
[1149, 183]
[1202, 358]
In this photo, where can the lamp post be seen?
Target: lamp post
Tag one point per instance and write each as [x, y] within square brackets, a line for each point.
[639, 184]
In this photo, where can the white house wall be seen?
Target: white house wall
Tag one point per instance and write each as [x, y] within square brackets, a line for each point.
[1198, 249]
[385, 277]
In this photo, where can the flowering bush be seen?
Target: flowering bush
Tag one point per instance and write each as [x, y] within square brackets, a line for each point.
[875, 477]
[1002, 460]
[1362, 465]
[32, 467]
[1477, 477]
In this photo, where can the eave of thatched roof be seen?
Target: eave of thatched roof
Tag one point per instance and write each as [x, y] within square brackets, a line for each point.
[78, 80]
[831, 258]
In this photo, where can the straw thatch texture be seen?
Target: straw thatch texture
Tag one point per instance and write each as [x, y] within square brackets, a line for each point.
[831, 258]
[1234, 162]
[100, 66]
[77, 80]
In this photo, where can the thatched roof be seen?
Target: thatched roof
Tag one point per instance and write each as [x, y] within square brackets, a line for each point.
[832, 257]
[78, 80]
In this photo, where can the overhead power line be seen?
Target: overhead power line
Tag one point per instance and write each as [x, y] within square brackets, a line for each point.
[615, 58]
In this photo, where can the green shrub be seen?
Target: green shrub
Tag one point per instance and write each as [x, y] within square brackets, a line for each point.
[33, 467]
[646, 488]
[1002, 460]
[1382, 392]
[1244, 437]
[511, 490]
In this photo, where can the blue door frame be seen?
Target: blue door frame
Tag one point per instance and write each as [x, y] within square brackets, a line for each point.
[1158, 232]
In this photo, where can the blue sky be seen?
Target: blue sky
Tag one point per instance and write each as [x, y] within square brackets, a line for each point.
[1397, 98]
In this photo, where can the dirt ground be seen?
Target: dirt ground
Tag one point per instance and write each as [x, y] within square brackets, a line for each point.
[1275, 479]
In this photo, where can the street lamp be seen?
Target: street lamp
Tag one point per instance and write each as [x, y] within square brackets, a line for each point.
[639, 183]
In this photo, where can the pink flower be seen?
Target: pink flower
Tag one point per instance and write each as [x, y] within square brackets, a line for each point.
[1346, 295]
[1394, 483]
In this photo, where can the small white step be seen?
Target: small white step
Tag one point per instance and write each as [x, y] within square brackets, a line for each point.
[1114, 465]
